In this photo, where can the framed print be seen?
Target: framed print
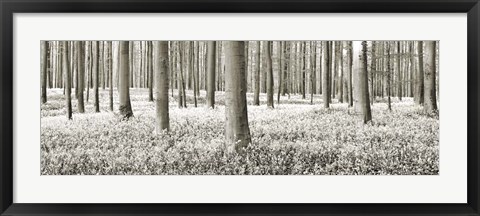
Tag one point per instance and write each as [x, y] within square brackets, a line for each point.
[246, 108]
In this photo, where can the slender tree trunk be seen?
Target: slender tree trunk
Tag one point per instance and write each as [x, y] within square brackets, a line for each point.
[430, 96]
[43, 67]
[373, 71]
[194, 72]
[160, 49]
[125, 107]
[110, 44]
[419, 84]
[399, 73]
[325, 74]
[268, 59]
[350, 77]
[150, 70]
[80, 48]
[211, 48]
[281, 61]
[340, 71]
[96, 76]
[256, 92]
[237, 131]
[89, 67]
[389, 72]
[66, 71]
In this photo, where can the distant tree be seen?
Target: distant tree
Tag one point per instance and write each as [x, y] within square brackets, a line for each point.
[160, 49]
[66, 72]
[373, 67]
[419, 85]
[256, 91]
[338, 57]
[399, 73]
[281, 62]
[125, 107]
[110, 45]
[237, 131]
[150, 70]
[43, 68]
[430, 95]
[211, 47]
[389, 73]
[268, 57]
[80, 48]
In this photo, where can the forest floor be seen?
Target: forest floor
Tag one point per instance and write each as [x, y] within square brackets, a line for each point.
[295, 138]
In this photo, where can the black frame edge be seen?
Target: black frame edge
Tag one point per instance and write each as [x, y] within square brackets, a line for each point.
[9, 7]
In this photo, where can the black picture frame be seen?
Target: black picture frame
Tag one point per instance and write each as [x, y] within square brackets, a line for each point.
[9, 7]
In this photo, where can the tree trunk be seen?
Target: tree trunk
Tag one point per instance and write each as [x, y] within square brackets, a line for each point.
[111, 75]
[389, 72]
[419, 84]
[268, 59]
[237, 132]
[325, 74]
[429, 79]
[125, 107]
[80, 47]
[211, 48]
[360, 65]
[96, 75]
[160, 49]
[281, 62]
[256, 91]
[399, 73]
[373, 71]
[43, 68]
[66, 71]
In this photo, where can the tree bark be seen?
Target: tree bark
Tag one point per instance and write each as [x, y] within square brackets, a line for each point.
[66, 71]
[80, 48]
[429, 79]
[399, 73]
[96, 75]
[360, 65]
[43, 68]
[211, 48]
[160, 49]
[325, 74]
[268, 59]
[125, 107]
[256, 91]
[419, 84]
[237, 131]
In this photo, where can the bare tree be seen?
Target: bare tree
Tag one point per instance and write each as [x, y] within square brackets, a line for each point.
[125, 107]
[268, 57]
[160, 49]
[419, 85]
[211, 48]
[43, 68]
[429, 79]
[360, 65]
[256, 92]
[66, 71]
[237, 131]
[325, 74]
[80, 48]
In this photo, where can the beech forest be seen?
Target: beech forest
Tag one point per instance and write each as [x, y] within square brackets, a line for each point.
[239, 107]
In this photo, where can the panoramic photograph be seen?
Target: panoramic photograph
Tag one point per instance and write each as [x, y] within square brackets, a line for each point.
[239, 107]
